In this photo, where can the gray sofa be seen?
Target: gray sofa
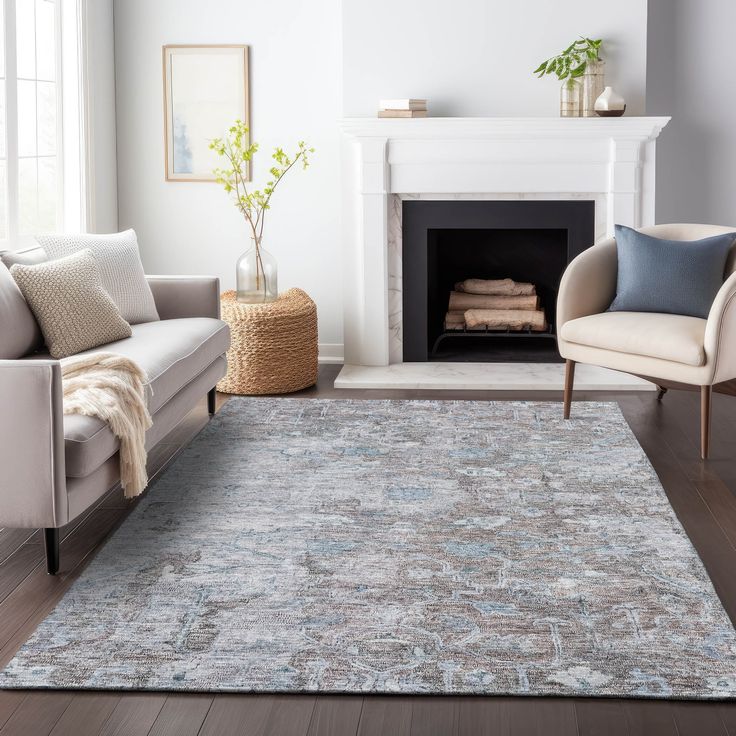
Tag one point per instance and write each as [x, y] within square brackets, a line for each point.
[54, 467]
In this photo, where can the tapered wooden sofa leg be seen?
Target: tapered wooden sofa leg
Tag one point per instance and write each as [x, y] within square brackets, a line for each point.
[51, 545]
[569, 381]
[212, 401]
[706, 400]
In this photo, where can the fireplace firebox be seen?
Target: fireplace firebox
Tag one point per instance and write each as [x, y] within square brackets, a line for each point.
[448, 242]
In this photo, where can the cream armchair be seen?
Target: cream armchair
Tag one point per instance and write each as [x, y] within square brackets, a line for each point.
[667, 347]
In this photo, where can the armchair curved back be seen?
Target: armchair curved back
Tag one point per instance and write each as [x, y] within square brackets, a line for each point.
[693, 231]
[26, 256]
[589, 282]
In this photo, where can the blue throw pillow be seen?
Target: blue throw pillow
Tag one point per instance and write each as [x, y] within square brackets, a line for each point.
[670, 276]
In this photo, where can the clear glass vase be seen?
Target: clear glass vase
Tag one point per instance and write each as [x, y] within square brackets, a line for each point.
[593, 86]
[257, 276]
[571, 97]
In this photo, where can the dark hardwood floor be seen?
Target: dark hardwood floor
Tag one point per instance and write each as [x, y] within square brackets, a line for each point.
[702, 494]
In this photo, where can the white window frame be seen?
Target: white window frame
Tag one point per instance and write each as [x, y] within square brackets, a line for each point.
[69, 17]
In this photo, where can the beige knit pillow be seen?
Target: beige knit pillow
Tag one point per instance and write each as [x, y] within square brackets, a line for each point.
[73, 309]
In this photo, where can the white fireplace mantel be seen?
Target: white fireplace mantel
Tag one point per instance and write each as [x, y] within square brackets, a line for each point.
[609, 160]
[515, 128]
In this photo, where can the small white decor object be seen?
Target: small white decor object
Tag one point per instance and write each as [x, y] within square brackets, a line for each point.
[403, 104]
[610, 103]
[403, 108]
[402, 113]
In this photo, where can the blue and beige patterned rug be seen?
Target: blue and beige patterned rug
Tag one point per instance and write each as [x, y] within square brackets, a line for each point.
[396, 546]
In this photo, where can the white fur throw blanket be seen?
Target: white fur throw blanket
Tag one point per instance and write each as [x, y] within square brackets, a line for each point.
[112, 388]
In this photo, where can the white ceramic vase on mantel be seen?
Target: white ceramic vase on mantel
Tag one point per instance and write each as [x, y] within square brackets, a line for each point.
[610, 103]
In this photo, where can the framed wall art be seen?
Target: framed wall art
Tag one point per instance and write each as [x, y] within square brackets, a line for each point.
[205, 92]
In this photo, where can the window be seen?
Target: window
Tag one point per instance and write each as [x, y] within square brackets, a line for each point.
[31, 170]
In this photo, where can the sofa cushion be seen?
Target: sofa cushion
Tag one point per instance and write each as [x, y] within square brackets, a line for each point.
[173, 353]
[119, 260]
[72, 308]
[83, 490]
[20, 333]
[665, 336]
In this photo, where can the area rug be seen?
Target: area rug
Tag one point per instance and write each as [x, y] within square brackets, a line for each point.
[396, 547]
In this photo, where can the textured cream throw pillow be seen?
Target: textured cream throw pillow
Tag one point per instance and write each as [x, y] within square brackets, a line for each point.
[119, 260]
[70, 303]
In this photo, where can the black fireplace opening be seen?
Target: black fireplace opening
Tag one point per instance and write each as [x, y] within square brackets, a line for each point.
[447, 242]
[537, 256]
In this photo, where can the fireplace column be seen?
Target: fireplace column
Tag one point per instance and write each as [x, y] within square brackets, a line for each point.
[366, 266]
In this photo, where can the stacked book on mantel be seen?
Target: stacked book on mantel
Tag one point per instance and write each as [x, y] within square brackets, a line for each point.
[408, 108]
[495, 304]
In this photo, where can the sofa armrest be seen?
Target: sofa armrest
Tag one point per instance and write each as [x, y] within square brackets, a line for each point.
[720, 333]
[32, 481]
[588, 285]
[186, 296]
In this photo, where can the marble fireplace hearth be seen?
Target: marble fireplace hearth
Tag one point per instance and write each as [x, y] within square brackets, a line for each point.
[385, 162]
[486, 377]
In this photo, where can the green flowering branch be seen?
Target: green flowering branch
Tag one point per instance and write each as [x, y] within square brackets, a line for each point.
[238, 151]
[573, 61]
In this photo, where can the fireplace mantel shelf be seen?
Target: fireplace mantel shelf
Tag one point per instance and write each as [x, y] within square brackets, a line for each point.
[642, 128]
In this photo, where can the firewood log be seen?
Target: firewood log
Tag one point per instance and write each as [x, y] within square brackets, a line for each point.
[506, 319]
[454, 320]
[460, 301]
[495, 287]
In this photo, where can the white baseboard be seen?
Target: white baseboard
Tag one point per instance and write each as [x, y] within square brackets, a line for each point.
[331, 352]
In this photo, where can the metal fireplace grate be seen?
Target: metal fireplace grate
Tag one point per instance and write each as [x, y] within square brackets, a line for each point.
[490, 334]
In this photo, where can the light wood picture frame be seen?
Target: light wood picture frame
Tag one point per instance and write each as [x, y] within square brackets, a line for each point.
[206, 89]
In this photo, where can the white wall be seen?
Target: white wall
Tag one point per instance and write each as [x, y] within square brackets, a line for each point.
[102, 212]
[295, 77]
[469, 57]
[475, 57]
[690, 77]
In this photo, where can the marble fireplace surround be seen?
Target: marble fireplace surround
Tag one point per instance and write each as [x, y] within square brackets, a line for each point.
[607, 160]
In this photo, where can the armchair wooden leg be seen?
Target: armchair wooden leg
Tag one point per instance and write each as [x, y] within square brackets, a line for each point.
[706, 399]
[569, 381]
[51, 545]
[661, 391]
[212, 401]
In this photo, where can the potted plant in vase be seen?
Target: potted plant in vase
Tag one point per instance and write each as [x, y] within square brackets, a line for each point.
[256, 269]
[580, 69]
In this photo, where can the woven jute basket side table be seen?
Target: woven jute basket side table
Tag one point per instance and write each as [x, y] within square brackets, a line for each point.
[273, 348]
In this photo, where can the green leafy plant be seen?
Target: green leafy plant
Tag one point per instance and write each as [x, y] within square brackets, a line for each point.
[573, 61]
[238, 151]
